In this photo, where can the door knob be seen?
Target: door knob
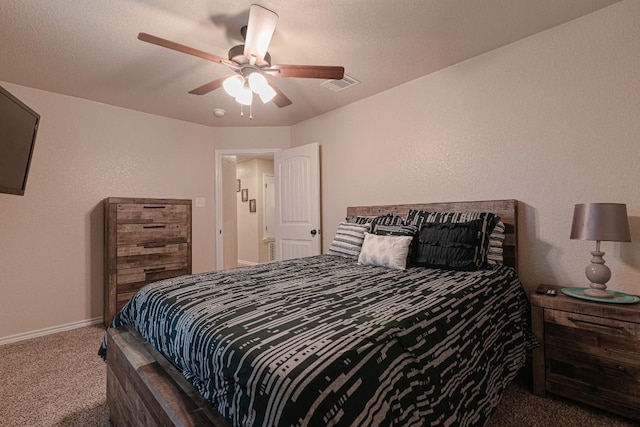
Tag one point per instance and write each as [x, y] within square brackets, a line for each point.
[314, 232]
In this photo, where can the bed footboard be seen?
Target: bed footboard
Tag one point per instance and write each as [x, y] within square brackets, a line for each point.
[144, 389]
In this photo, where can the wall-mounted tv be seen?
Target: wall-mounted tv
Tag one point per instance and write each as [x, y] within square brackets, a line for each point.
[18, 128]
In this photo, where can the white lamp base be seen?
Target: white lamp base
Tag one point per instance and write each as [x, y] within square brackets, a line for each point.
[598, 274]
[598, 293]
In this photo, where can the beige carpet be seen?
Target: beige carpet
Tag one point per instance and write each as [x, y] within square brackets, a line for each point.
[59, 380]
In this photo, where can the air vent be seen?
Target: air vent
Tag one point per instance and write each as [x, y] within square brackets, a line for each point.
[340, 85]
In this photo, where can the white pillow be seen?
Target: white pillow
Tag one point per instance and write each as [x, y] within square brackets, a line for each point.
[348, 240]
[385, 251]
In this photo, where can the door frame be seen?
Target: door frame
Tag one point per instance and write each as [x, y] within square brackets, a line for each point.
[219, 154]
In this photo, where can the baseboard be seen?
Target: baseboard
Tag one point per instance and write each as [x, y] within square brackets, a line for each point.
[48, 331]
[243, 263]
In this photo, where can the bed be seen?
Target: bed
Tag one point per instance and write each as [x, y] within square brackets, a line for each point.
[323, 340]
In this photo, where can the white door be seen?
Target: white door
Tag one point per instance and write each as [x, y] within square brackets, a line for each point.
[297, 173]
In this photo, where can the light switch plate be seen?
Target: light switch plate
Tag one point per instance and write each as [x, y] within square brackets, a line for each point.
[200, 202]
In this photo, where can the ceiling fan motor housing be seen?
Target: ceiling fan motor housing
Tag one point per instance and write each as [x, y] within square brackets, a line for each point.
[236, 54]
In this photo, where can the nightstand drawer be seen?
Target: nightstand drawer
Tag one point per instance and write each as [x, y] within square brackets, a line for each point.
[598, 336]
[610, 379]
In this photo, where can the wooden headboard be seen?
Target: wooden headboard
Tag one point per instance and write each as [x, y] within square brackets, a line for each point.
[506, 209]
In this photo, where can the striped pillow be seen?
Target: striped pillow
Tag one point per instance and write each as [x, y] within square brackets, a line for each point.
[496, 241]
[348, 240]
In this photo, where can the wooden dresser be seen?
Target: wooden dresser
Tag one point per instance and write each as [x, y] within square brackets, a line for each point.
[144, 240]
[590, 351]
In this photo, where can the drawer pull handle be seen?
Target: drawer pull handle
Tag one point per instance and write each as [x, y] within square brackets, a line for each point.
[154, 270]
[586, 322]
[154, 245]
[154, 226]
[153, 207]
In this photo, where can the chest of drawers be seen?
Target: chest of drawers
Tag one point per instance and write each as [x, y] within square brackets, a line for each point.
[145, 240]
[589, 352]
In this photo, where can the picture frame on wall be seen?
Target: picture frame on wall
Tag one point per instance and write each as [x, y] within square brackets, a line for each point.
[237, 185]
[252, 205]
[245, 194]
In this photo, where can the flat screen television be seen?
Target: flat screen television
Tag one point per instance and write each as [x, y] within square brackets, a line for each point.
[18, 128]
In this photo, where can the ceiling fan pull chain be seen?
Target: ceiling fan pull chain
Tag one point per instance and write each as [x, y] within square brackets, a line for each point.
[250, 111]
[241, 110]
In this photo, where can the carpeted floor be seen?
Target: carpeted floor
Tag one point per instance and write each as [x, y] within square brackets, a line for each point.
[59, 380]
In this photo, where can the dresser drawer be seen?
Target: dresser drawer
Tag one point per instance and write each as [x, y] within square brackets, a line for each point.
[599, 336]
[152, 213]
[149, 272]
[128, 234]
[152, 248]
[153, 257]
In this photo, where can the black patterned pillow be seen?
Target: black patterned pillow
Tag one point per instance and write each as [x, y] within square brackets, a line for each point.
[450, 245]
[387, 219]
[359, 219]
[488, 223]
[394, 230]
[348, 240]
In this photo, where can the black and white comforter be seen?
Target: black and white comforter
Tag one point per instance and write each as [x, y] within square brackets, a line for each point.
[324, 341]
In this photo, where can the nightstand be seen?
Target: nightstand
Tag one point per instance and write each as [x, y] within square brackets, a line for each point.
[589, 351]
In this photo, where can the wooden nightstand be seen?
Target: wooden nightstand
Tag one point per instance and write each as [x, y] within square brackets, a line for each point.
[589, 351]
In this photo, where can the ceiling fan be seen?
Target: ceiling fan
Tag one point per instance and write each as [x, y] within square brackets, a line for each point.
[251, 63]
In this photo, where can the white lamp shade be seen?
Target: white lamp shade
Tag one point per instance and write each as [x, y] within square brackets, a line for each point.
[245, 97]
[260, 85]
[257, 82]
[233, 85]
[267, 94]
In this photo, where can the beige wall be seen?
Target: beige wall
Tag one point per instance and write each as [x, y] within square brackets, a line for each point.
[552, 120]
[51, 238]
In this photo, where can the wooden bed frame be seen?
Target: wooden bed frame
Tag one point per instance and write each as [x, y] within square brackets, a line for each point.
[145, 389]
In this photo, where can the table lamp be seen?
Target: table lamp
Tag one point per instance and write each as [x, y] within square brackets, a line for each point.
[600, 222]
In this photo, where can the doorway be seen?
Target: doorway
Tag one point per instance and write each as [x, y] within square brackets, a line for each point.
[242, 207]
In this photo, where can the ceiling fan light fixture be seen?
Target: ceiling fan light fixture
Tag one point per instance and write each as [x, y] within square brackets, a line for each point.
[233, 85]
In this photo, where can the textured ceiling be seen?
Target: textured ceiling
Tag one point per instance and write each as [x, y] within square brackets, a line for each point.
[89, 48]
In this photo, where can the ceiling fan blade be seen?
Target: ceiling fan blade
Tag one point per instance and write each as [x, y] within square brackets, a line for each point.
[306, 71]
[184, 49]
[280, 99]
[260, 29]
[208, 87]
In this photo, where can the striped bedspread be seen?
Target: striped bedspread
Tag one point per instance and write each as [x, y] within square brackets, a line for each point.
[323, 341]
